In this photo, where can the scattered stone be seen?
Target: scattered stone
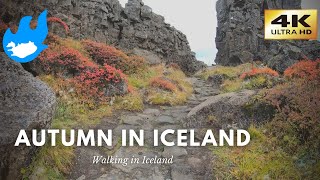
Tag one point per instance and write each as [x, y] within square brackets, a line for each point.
[132, 120]
[176, 152]
[83, 177]
[216, 80]
[181, 173]
[154, 112]
[197, 90]
[162, 120]
[221, 111]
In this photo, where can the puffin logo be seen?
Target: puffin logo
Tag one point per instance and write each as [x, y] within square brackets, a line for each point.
[26, 44]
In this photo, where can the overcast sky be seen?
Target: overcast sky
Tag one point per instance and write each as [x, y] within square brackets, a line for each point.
[195, 18]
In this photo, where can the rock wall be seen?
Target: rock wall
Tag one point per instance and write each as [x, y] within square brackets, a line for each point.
[130, 28]
[240, 35]
[25, 103]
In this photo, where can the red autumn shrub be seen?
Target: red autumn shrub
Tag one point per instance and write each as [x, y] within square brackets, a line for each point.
[95, 83]
[104, 54]
[163, 83]
[298, 111]
[64, 61]
[306, 69]
[259, 71]
[58, 20]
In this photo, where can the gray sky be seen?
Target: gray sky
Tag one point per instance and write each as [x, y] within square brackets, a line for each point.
[195, 18]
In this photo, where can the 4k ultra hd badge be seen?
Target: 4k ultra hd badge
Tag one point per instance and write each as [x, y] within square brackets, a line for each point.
[291, 24]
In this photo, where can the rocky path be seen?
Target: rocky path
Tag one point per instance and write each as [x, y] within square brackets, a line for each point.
[188, 162]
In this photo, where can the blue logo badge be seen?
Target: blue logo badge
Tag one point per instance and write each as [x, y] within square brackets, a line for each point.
[26, 44]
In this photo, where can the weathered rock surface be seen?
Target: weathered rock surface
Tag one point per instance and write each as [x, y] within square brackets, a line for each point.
[240, 35]
[25, 103]
[134, 26]
[223, 111]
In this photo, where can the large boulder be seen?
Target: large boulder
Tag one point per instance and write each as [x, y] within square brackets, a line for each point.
[240, 35]
[25, 103]
[226, 111]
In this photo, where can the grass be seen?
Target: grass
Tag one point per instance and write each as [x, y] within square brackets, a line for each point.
[232, 86]
[156, 93]
[54, 162]
[176, 96]
[259, 160]
[141, 80]
[130, 102]
[228, 72]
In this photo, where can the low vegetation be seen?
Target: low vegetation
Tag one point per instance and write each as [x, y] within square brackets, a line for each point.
[244, 76]
[286, 147]
[227, 72]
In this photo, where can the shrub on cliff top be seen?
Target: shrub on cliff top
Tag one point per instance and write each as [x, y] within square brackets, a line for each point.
[305, 69]
[104, 54]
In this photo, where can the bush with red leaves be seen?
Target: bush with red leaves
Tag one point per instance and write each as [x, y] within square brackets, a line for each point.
[104, 54]
[94, 83]
[259, 71]
[163, 83]
[305, 69]
[63, 61]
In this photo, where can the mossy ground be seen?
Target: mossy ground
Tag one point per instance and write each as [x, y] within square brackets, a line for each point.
[261, 159]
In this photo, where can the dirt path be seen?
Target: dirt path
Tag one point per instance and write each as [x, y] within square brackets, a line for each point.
[188, 162]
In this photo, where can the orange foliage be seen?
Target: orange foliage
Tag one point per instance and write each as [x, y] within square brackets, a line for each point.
[259, 71]
[104, 54]
[305, 69]
[163, 84]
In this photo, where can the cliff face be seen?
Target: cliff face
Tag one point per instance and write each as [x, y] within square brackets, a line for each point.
[240, 35]
[134, 27]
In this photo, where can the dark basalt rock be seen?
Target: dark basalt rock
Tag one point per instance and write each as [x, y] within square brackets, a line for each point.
[134, 26]
[25, 103]
[229, 111]
[240, 35]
